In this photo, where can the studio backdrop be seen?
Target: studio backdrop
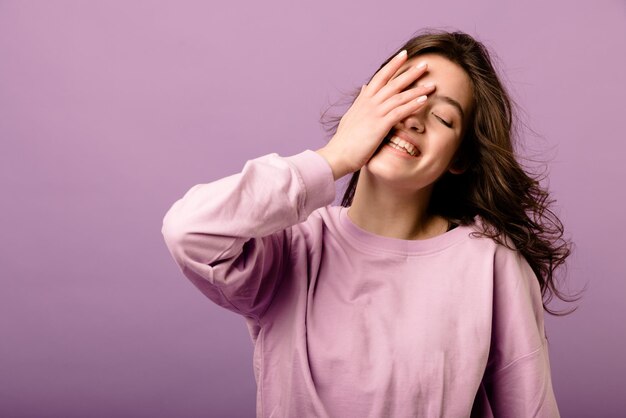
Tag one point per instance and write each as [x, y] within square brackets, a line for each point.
[111, 110]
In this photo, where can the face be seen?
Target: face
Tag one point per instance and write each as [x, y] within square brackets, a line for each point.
[437, 128]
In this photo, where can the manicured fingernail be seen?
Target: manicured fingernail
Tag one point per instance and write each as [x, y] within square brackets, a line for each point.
[421, 99]
[421, 65]
[429, 85]
[402, 53]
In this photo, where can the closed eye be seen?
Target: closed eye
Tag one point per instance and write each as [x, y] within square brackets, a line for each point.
[448, 124]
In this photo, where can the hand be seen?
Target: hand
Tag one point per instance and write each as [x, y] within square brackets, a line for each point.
[378, 107]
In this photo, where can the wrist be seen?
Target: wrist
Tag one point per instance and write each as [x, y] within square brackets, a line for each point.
[337, 166]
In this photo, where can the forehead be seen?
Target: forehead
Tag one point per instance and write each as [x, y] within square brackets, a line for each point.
[449, 78]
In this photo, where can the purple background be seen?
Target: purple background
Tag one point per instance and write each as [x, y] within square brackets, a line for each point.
[111, 110]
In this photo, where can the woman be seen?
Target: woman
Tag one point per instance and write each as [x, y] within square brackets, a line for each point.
[419, 296]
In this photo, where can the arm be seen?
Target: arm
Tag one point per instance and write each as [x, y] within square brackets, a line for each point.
[518, 380]
[231, 237]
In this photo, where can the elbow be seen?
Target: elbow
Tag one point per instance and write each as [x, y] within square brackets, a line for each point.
[173, 232]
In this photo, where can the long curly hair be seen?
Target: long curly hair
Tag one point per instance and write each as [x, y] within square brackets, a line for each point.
[514, 206]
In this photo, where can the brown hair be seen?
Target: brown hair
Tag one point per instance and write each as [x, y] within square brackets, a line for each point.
[493, 185]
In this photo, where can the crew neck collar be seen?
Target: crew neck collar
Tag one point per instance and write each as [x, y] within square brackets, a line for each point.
[369, 241]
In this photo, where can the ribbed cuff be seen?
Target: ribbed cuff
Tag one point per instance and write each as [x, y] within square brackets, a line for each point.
[318, 179]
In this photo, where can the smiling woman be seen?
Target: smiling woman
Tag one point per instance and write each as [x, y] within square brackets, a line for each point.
[422, 293]
[484, 177]
[434, 132]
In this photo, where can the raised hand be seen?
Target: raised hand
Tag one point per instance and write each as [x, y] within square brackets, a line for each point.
[379, 106]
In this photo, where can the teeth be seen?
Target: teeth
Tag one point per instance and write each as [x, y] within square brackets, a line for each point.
[408, 147]
[398, 147]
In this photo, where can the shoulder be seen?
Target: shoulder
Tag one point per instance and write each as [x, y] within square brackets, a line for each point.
[501, 243]
[512, 272]
[311, 231]
[501, 250]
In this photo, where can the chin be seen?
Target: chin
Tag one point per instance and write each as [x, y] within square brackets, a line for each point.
[380, 170]
[384, 169]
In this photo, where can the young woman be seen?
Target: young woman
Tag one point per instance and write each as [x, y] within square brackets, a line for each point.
[422, 294]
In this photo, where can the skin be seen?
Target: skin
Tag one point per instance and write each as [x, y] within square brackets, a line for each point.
[393, 191]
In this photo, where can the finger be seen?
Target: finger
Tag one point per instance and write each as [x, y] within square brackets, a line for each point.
[360, 94]
[403, 111]
[402, 81]
[386, 72]
[405, 97]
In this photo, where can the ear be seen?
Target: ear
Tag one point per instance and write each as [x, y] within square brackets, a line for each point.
[458, 166]
[455, 170]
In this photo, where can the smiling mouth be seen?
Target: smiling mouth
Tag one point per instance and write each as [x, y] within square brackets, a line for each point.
[400, 145]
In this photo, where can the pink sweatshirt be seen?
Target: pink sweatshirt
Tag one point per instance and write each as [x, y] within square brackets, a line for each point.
[346, 323]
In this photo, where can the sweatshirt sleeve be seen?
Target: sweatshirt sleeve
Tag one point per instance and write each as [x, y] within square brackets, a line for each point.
[518, 380]
[231, 237]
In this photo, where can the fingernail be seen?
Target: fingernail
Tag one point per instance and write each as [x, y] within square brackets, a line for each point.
[429, 85]
[402, 53]
[422, 65]
[421, 99]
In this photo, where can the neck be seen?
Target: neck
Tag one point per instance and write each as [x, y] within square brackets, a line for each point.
[382, 209]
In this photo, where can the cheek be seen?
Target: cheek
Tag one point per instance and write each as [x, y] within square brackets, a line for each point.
[448, 144]
[447, 152]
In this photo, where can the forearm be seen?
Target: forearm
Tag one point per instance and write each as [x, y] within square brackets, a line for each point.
[230, 236]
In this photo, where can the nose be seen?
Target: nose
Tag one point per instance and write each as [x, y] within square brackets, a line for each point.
[413, 122]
